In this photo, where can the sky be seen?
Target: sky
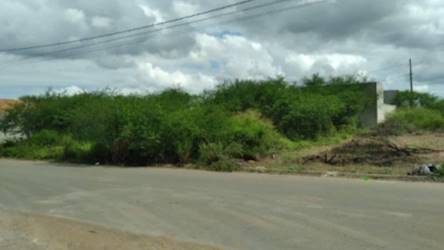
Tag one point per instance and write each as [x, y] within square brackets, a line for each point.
[291, 38]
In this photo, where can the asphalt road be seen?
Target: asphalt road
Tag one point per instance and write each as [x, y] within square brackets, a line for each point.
[234, 211]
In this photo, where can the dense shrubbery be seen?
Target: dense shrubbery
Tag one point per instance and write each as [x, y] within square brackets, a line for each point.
[413, 119]
[423, 100]
[243, 120]
[440, 173]
[416, 112]
[44, 145]
[319, 108]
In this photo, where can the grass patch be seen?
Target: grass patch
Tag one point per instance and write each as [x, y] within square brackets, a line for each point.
[48, 145]
[25, 150]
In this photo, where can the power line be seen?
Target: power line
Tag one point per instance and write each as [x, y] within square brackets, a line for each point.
[147, 33]
[129, 30]
[302, 4]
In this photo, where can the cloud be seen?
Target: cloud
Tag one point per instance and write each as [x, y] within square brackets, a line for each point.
[340, 37]
[74, 16]
[236, 56]
[422, 88]
[101, 22]
[70, 91]
[152, 13]
[182, 8]
[173, 79]
[334, 61]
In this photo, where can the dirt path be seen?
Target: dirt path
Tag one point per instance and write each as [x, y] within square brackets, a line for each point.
[39, 232]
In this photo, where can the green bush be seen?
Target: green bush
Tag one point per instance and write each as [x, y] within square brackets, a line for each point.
[27, 150]
[253, 135]
[243, 136]
[210, 153]
[276, 99]
[223, 165]
[415, 99]
[308, 117]
[440, 173]
[48, 145]
[45, 138]
[422, 100]
[243, 120]
[413, 119]
[246, 136]
[217, 157]
[78, 152]
[241, 96]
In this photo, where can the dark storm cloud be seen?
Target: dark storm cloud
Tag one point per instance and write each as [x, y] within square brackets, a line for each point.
[343, 19]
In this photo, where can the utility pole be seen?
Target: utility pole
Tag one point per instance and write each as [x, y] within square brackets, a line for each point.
[411, 75]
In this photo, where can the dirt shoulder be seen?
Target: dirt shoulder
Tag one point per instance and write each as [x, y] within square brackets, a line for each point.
[390, 157]
[38, 232]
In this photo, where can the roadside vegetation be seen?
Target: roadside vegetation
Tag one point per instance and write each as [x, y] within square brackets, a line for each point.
[440, 173]
[416, 112]
[238, 121]
[224, 129]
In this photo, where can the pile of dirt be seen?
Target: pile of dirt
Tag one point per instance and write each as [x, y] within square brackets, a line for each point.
[369, 150]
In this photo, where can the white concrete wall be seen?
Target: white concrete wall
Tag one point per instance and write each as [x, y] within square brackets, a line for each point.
[380, 118]
[386, 110]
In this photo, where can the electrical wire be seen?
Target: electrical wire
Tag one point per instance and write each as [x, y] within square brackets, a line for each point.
[79, 50]
[129, 30]
[146, 34]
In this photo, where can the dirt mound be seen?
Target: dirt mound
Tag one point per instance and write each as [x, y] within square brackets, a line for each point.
[373, 151]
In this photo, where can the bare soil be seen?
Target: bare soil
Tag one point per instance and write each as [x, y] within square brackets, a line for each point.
[375, 151]
[391, 156]
[39, 232]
